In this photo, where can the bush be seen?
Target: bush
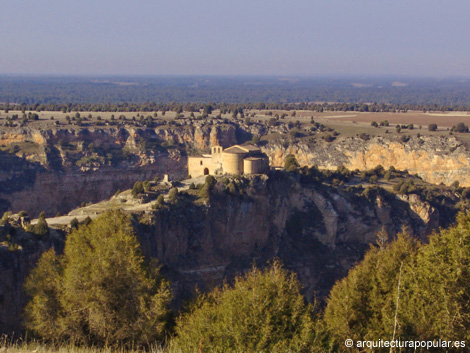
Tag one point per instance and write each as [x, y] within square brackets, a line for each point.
[137, 189]
[41, 228]
[173, 194]
[262, 312]
[460, 127]
[100, 291]
[432, 127]
[290, 163]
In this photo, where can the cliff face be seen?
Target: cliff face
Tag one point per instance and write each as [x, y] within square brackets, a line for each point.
[318, 231]
[435, 159]
[57, 170]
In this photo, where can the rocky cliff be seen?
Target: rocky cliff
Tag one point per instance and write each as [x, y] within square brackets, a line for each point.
[57, 170]
[317, 230]
[435, 159]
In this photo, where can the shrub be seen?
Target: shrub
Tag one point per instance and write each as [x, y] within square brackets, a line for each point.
[432, 127]
[262, 312]
[290, 163]
[74, 223]
[173, 194]
[100, 291]
[41, 228]
[137, 189]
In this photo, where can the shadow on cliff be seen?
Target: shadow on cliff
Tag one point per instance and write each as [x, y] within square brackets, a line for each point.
[16, 174]
[318, 231]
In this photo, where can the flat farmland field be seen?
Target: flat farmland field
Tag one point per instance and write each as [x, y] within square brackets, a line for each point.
[417, 118]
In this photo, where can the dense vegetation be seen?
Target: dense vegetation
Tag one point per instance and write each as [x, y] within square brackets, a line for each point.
[121, 93]
[262, 312]
[101, 292]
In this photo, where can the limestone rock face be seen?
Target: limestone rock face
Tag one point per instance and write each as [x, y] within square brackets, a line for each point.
[317, 231]
[435, 159]
[56, 170]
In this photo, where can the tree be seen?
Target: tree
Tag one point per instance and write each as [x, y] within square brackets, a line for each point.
[41, 228]
[43, 311]
[460, 127]
[137, 189]
[255, 139]
[173, 194]
[437, 302]
[363, 305]
[432, 127]
[100, 291]
[262, 312]
[291, 163]
[208, 186]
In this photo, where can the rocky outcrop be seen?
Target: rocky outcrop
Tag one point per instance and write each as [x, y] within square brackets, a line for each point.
[57, 170]
[318, 231]
[435, 159]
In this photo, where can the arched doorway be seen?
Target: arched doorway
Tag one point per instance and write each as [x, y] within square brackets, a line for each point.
[206, 171]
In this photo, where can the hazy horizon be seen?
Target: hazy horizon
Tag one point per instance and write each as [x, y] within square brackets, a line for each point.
[339, 38]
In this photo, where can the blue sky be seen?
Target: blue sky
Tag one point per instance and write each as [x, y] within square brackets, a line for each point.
[242, 37]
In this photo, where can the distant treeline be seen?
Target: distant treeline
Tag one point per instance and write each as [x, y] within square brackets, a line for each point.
[228, 107]
[275, 92]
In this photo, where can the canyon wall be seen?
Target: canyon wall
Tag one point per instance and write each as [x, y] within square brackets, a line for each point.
[435, 159]
[317, 231]
[57, 170]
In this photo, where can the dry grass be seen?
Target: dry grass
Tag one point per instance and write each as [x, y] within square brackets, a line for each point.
[7, 345]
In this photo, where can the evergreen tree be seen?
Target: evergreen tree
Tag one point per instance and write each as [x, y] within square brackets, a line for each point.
[106, 295]
[438, 300]
[43, 311]
[365, 304]
[41, 228]
[262, 312]
[291, 163]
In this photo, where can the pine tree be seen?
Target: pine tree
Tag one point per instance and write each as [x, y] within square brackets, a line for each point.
[363, 305]
[107, 295]
[262, 312]
[438, 300]
[43, 311]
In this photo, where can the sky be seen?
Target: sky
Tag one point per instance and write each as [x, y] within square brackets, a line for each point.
[236, 37]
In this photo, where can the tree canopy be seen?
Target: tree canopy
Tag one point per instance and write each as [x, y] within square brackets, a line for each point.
[100, 291]
[262, 312]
